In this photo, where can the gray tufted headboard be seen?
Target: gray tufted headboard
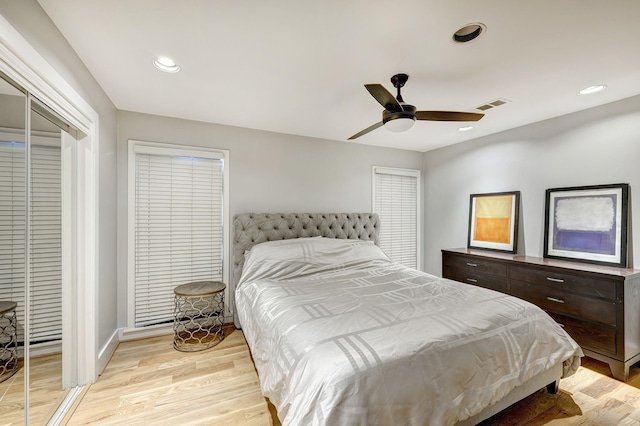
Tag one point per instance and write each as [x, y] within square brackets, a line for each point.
[254, 228]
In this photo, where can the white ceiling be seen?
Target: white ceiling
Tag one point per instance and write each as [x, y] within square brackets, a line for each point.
[299, 67]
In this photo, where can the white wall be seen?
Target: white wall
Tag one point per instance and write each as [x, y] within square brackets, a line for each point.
[269, 172]
[28, 18]
[596, 146]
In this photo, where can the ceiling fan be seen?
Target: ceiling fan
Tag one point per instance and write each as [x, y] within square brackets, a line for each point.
[399, 116]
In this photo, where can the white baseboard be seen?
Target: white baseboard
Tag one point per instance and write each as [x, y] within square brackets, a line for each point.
[144, 332]
[107, 350]
[154, 330]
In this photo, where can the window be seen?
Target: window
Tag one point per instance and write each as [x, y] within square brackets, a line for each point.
[396, 200]
[178, 224]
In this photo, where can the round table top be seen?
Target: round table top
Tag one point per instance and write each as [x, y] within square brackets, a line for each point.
[7, 306]
[199, 288]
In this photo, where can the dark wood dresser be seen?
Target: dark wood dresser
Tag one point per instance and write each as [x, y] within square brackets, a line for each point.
[599, 306]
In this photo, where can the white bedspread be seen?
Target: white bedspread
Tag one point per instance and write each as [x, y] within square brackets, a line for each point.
[340, 335]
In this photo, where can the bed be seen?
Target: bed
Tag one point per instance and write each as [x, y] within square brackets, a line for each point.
[340, 334]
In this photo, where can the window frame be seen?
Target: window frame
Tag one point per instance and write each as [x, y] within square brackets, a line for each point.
[402, 172]
[146, 147]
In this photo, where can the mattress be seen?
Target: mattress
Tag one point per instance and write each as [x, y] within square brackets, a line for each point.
[341, 335]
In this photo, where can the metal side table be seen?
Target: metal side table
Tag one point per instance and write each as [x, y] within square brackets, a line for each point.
[198, 315]
[8, 340]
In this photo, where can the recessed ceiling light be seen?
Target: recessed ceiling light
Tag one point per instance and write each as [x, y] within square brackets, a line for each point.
[592, 89]
[165, 64]
[469, 32]
[465, 128]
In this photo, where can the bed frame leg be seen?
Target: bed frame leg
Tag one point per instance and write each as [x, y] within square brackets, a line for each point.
[553, 387]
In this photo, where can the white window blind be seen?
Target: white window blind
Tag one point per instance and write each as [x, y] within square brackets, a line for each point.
[45, 238]
[178, 229]
[46, 244]
[397, 203]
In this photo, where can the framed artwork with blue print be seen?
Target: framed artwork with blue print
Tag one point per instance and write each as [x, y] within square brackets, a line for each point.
[587, 224]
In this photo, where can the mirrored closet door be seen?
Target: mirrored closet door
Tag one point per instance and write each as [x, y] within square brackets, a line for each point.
[31, 257]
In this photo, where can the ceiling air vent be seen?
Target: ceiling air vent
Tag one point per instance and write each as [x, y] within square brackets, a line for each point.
[492, 104]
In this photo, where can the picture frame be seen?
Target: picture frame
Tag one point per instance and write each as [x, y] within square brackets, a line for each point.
[587, 224]
[493, 221]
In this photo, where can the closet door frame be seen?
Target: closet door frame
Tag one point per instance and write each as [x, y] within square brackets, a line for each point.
[24, 65]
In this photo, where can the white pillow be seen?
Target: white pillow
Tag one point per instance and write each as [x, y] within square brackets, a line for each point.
[300, 257]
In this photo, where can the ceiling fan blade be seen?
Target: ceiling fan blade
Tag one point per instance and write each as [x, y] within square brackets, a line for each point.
[384, 97]
[365, 131]
[448, 116]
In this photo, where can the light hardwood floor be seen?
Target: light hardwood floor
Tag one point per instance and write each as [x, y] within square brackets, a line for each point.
[147, 382]
[590, 397]
[45, 393]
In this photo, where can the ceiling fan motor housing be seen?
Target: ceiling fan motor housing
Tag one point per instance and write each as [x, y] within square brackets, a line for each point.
[408, 111]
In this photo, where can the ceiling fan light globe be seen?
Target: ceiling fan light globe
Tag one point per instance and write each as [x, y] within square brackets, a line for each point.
[400, 124]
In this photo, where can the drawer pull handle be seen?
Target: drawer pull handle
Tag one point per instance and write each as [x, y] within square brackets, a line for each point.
[555, 280]
[472, 280]
[553, 299]
[472, 264]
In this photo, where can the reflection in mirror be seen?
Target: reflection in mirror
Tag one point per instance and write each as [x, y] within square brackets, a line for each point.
[31, 267]
[46, 390]
[12, 252]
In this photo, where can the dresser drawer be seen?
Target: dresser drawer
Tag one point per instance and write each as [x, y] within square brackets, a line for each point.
[558, 300]
[565, 281]
[595, 337]
[475, 265]
[468, 276]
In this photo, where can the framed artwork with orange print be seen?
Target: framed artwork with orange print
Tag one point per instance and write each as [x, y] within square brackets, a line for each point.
[493, 221]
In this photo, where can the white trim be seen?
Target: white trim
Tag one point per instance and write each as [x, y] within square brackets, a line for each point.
[131, 228]
[130, 333]
[226, 238]
[141, 147]
[107, 351]
[23, 64]
[137, 146]
[396, 171]
[87, 220]
[69, 278]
